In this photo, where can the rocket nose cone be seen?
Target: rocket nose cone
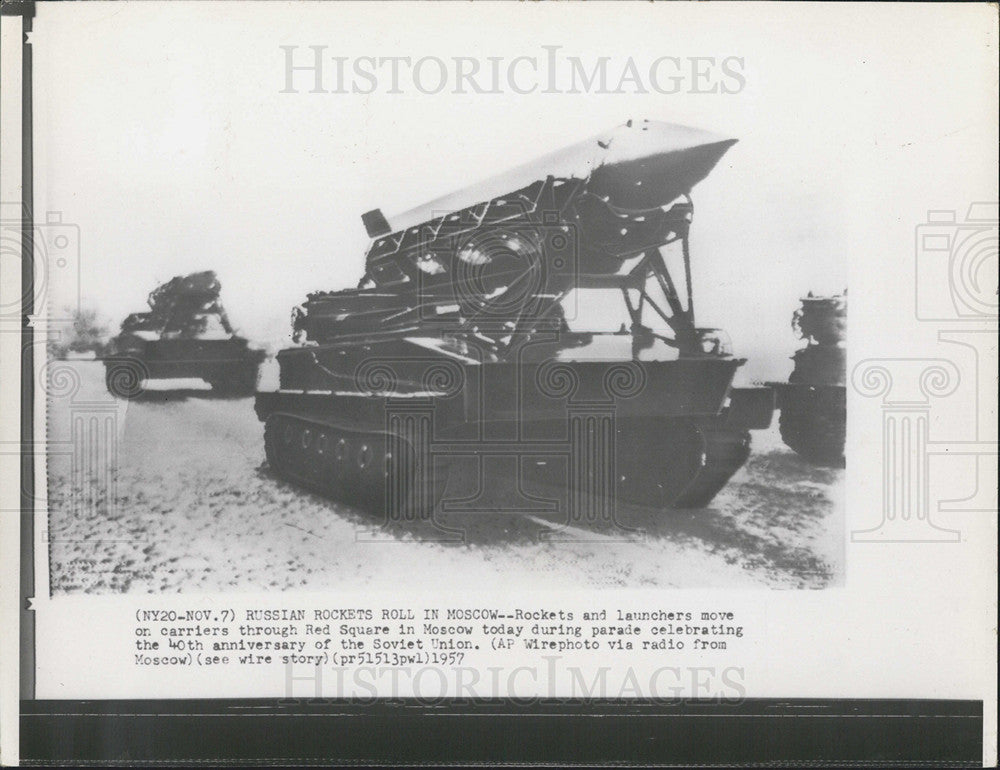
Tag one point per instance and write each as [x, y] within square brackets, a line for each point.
[647, 165]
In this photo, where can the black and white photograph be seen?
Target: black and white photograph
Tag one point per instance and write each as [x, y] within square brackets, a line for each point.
[606, 347]
[379, 339]
[523, 388]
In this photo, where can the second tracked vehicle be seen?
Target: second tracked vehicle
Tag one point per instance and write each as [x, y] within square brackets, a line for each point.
[813, 402]
[184, 334]
[539, 325]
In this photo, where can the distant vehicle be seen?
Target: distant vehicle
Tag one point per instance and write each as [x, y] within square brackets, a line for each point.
[184, 334]
[813, 402]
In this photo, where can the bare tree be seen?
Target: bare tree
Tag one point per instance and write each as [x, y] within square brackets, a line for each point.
[83, 331]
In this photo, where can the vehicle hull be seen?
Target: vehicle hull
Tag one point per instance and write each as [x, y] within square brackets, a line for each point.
[229, 365]
[661, 434]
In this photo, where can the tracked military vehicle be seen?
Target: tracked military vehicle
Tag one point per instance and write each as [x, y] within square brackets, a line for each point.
[813, 402]
[185, 334]
[546, 314]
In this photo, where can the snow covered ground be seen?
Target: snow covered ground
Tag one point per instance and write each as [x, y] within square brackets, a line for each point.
[188, 504]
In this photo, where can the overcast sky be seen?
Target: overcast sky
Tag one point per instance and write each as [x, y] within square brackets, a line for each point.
[162, 132]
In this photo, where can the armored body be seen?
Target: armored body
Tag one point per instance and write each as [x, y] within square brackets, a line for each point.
[185, 334]
[546, 315]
